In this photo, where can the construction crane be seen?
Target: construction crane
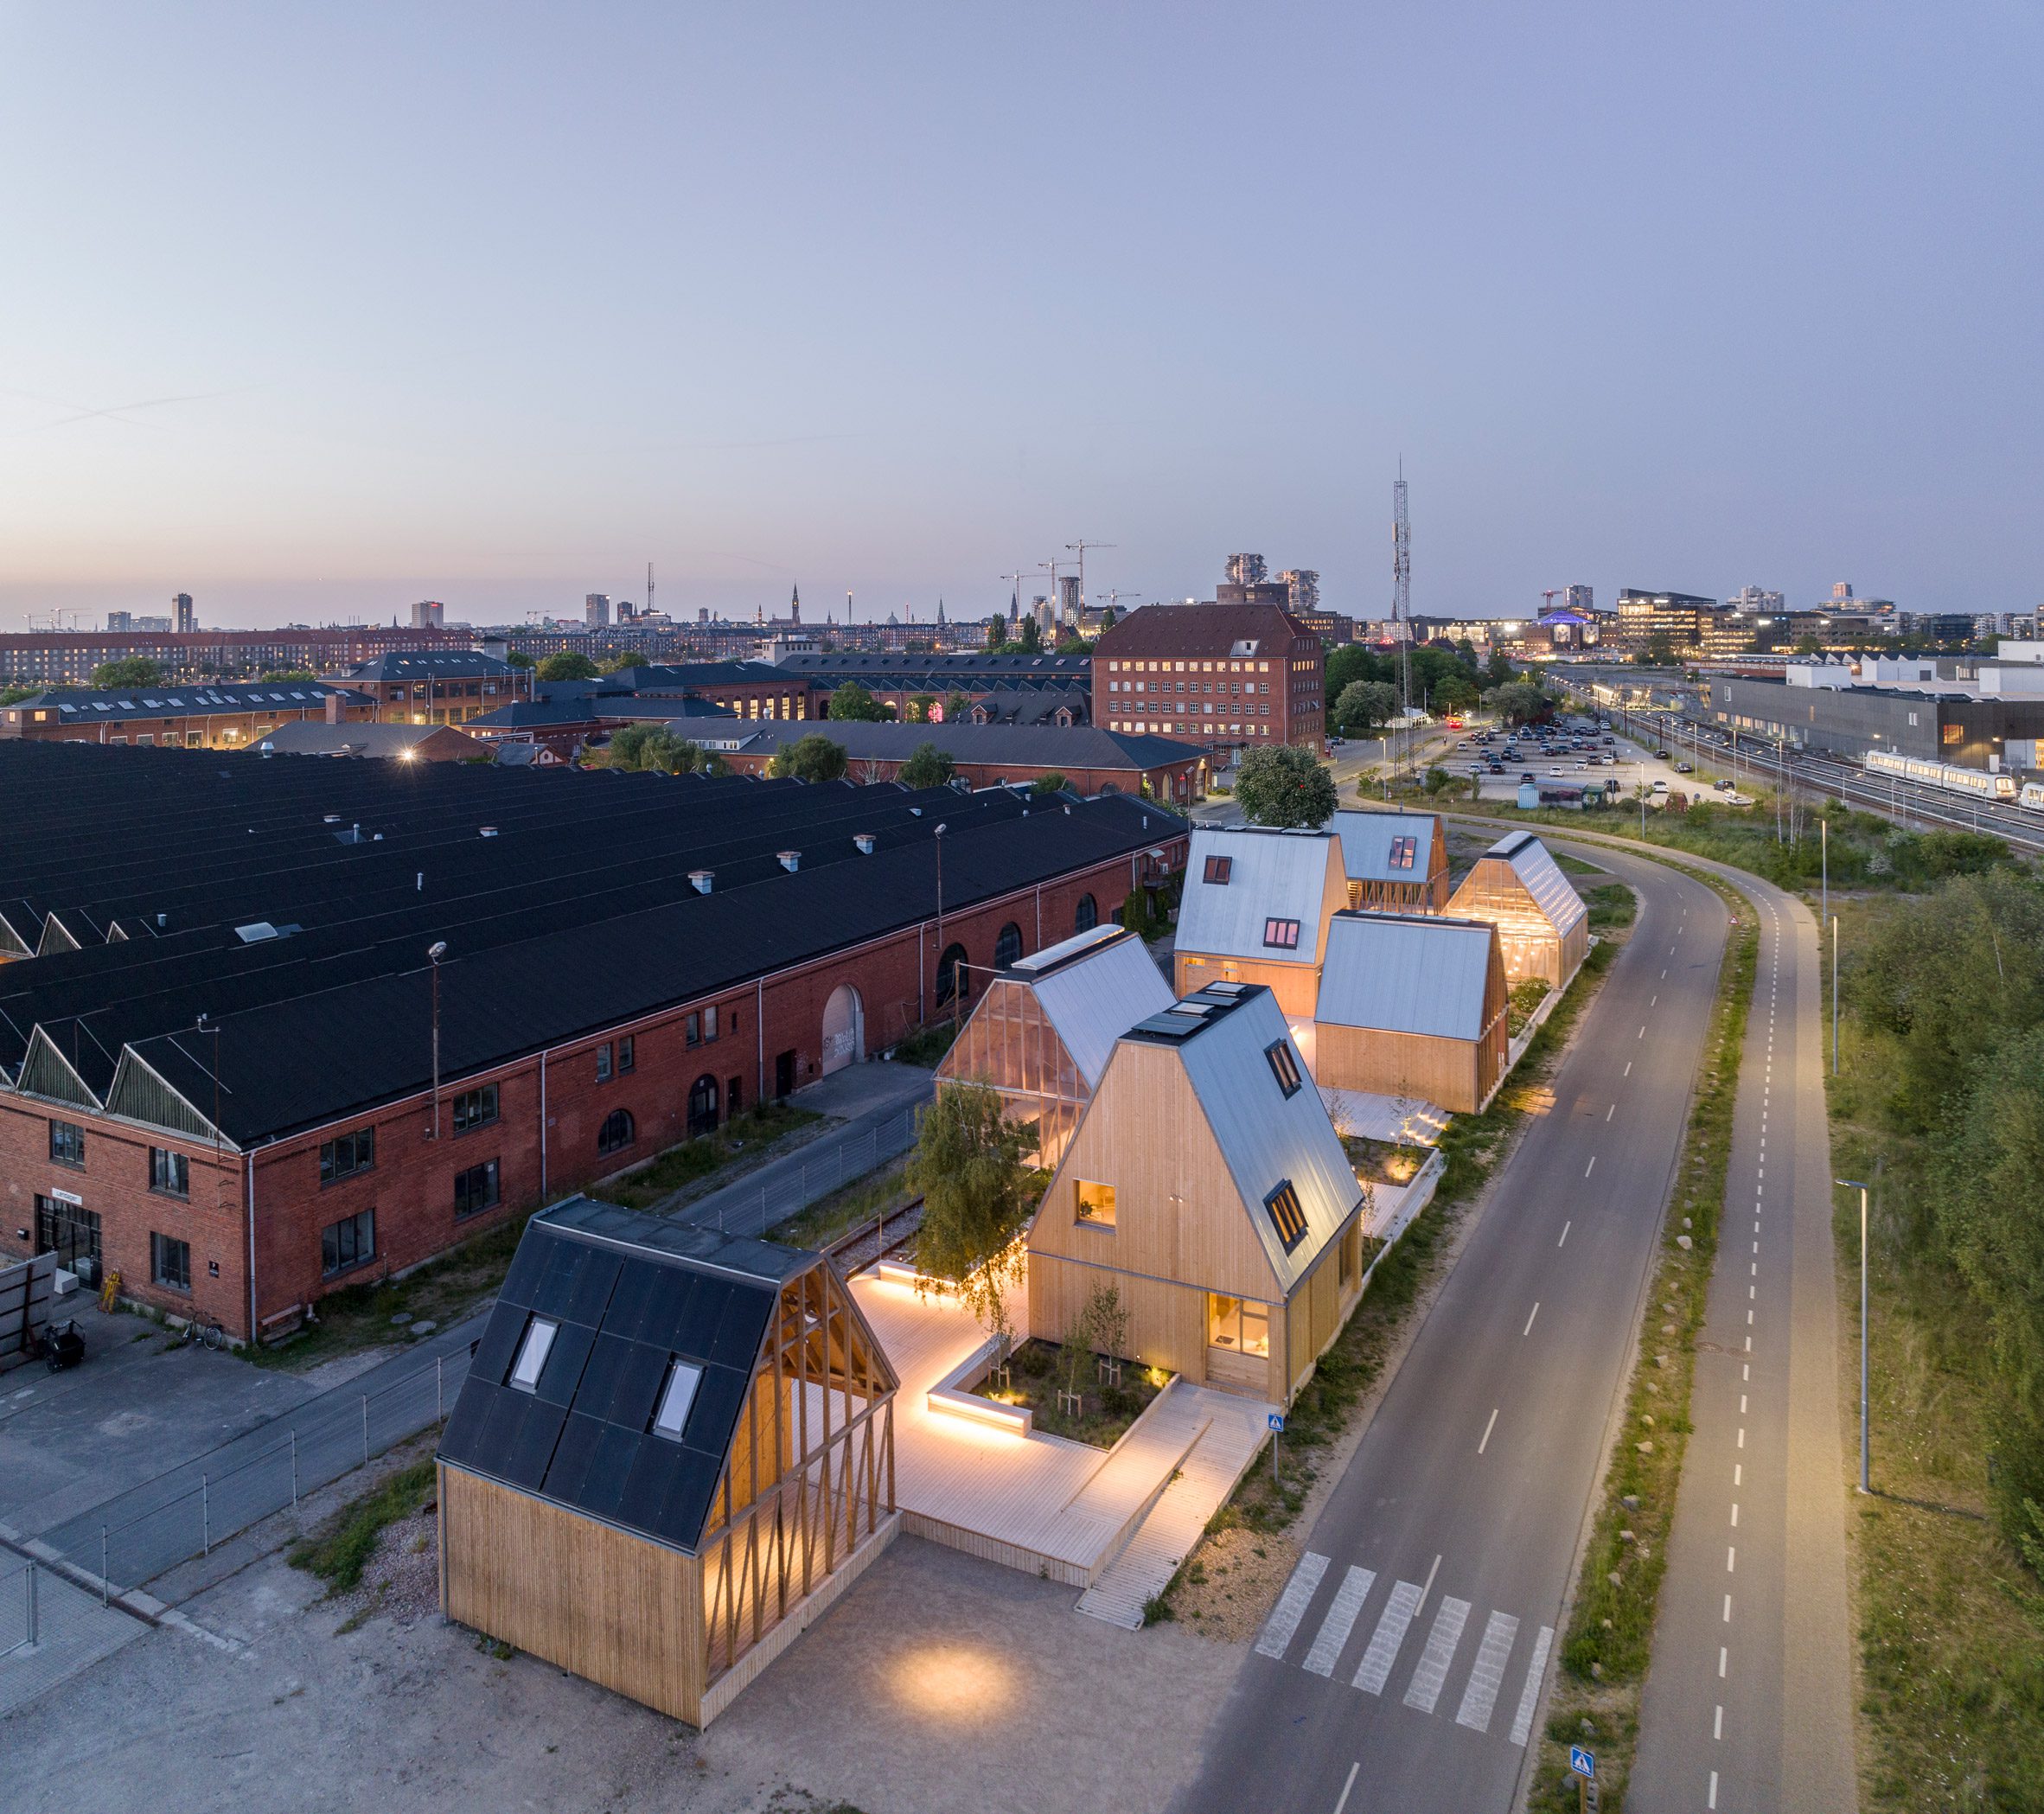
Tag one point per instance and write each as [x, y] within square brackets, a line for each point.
[1550, 594]
[1079, 548]
[1115, 596]
[1015, 601]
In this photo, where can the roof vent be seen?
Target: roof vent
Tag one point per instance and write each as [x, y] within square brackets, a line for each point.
[701, 879]
[791, 860]
[163, 921]
[865, 840]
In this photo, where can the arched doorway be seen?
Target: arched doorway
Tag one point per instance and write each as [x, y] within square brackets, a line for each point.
[844, 1029]
[1088, 915]
[951, 972]
[1008, 947]
[702, 1107]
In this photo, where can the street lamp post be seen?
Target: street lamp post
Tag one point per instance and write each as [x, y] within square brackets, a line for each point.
[939, 835]
[1853, 1184]
[1833, 993]
[435, 952]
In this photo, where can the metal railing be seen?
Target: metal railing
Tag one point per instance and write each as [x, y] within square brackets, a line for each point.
[190, 1510]
[828, 1168]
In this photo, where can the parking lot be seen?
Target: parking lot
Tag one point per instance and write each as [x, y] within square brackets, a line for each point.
[1576, 758]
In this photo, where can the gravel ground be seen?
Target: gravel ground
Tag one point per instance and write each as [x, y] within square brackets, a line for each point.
[401, 1582]
[1231, 1583]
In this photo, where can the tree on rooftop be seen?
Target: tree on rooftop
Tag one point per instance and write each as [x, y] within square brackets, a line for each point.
[814, 757]
[1052, 782]
[978, 1194]
[567, 666]
[851, 702]
[129, 671]
[928, 767]
[1284, 785]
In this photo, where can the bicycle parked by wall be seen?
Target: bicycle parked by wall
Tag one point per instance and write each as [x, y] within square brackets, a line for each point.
[208, 1331]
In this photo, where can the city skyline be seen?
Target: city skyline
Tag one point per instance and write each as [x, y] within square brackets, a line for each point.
[402, 309]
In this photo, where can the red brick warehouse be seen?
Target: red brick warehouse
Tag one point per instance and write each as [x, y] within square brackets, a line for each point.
[226, 1091]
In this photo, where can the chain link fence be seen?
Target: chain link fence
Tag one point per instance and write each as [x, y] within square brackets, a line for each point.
[826, 1167]
[50, 1629]
[186, 1511]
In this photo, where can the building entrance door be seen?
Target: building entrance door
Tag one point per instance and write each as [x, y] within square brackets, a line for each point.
[65, 1228]
[844, 1029]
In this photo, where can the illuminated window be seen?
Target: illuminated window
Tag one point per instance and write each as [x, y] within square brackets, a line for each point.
[1403, 850]
[1094, 1204]
[1282, 934]
[1285, 1215]
[1218, 869]
[1283, 1066]
[1235, 1324]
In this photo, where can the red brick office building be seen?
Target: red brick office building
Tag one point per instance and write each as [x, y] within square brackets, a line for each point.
[1230, 676]
[292, 1142]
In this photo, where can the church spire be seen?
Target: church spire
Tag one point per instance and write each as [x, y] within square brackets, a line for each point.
[795, 605]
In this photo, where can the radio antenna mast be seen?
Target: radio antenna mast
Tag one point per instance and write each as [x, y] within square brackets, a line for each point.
[1401, 585]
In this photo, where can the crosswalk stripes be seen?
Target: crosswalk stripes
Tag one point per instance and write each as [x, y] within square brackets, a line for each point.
[1521, 1721]
[1292, 1605]
[1480, 1692]
[1376, 1668]
[1427, 1678]
[1340, 1620]
[1479, 1696]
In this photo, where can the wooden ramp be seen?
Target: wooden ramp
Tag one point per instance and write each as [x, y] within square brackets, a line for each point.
[1232, 1431]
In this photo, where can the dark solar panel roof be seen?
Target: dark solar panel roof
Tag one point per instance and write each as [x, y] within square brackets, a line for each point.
[629, 1296]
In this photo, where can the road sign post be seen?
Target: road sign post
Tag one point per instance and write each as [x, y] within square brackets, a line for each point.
[1584, 1764]
[1276, 1421]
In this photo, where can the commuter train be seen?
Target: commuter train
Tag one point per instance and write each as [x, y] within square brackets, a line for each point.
[1952, 779]
[2031, 796]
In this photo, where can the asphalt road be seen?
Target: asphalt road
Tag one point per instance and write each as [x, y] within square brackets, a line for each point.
[1748, 1704]
[1405, 1664]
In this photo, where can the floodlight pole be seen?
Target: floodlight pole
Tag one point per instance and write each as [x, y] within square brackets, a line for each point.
[1851, 1183]
[1834, 994]
[434, 954]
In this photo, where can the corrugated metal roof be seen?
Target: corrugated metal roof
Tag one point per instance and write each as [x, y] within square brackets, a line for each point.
[1272, 875]
[1095, 1000]
[1406, 974]
[1265, 1136]
[1366, 845]
[1542, 878]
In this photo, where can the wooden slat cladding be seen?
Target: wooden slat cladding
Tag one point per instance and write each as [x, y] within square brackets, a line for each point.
[613, 1608]
[1179, 1216]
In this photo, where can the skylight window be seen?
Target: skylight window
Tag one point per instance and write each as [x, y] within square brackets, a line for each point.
[532, 1355]
[1218, 869]
[1285, 1215]
[1282, 934]
[677, 1399]
[1403, 850]
[1283, 1066]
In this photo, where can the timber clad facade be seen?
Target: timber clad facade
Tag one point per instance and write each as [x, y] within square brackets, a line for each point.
[1255, 909]
[1214, 1195]
[673, 1452]
[1543, 926]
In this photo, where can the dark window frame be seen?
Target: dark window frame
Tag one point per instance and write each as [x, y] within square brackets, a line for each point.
[605, 1063]
[170, 1262]
[1284, 1067]
[627, 1055]
[476, 1107]
[618, 1131]
[64, 1135]
[1219, 871]
[169, 1173]
[489, 1171]
[360, 1144]
[1280, 934]
[1287, 1213]
[341, 1243]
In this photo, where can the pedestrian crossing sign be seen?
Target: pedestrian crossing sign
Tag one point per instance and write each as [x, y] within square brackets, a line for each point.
[1583, 1763]
[1277, 1423]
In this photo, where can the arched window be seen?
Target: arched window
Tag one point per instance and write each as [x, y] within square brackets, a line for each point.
[1008, 947]
[1087, 916]
[951, 972]
[702, 1107]
[617, 1132]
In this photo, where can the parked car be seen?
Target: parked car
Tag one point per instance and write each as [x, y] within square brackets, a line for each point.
[1660, 755]
[1723, 787]
[1685, 767]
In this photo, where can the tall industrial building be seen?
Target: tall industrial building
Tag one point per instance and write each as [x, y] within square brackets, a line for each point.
[186, 618]
[1752, 598]
[1068, 599]
[1303, 586]
[595, 611]
[1246, 570]
[428, 614]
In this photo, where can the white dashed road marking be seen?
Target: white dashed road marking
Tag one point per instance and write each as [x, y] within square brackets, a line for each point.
[1292, 1605]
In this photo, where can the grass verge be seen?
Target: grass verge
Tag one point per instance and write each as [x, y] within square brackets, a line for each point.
[1951, 1626]
[863, 1200]
[751, 1134]
[340, 1549]
[1608, 1642]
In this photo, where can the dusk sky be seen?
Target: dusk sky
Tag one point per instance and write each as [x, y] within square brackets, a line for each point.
[494, 304]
